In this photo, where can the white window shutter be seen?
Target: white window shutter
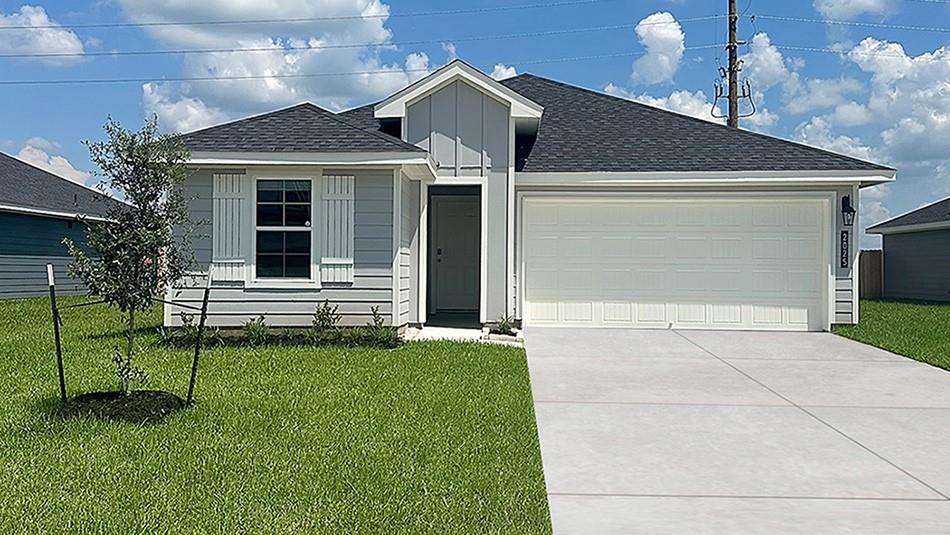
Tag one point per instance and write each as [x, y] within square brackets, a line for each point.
[336, 264]
[229, 245]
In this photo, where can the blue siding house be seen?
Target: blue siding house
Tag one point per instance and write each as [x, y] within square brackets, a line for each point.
[37, 210]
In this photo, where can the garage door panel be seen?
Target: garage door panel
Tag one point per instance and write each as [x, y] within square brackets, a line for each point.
[642, 264]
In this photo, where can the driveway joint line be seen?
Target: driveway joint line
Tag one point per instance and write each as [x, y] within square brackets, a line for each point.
[784, 405]
[746, 497]
[818, 419]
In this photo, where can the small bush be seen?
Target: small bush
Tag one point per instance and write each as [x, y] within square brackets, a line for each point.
[187, 334]
[256, 332]
[375, 333]
[505, 325]
[325, 320]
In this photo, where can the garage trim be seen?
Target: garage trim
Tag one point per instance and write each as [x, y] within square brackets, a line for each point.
[826, 198]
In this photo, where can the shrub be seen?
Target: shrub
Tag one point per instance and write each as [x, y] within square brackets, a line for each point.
[256, 332]
[375, 333]
[505, 325]
[187, 334]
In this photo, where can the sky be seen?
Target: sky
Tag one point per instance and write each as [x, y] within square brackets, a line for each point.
[869, 78]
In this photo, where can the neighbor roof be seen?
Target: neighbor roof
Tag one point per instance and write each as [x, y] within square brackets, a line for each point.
[932, 214]
[25, 186]
[586, 131]
[302, 128]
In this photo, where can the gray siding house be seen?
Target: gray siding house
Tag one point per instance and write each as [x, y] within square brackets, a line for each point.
[37, 210]
[917, 253]
[463, 197]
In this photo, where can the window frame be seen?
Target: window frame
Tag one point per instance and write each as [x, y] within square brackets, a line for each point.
[313, 279]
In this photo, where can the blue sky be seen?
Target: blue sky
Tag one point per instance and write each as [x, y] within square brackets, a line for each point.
[860, 84]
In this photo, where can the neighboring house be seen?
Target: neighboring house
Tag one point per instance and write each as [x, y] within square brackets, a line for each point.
[37, 210]
[917, 253]
[528, 198]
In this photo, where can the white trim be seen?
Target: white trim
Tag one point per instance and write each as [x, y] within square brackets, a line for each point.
[458, 181]
[49, 213]
[704, 178]
[251, 279]
[856, 261]
[828, 223]
[936, 225]
[423, 279]
[396, 104]
[510, 308]
[419, 163]
[397, 243]
[483, 255]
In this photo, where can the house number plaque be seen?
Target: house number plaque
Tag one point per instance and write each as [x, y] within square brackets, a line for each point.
[845, 246]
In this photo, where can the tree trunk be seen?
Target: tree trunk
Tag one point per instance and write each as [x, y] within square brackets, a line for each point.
[130, 347]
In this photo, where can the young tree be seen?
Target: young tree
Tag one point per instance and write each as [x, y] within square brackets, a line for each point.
[146, 243]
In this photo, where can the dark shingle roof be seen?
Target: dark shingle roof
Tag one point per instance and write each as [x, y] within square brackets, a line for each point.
[586, 131]
[301, 128]
[938, 212]
[26, 186]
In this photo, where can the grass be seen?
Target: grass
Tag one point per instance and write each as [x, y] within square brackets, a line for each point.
[429, 438]
[920, 331]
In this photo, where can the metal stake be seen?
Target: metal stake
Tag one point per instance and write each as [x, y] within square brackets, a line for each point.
[59, 345]
[201, 331]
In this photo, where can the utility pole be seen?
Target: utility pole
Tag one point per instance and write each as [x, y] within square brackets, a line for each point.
[733, 120]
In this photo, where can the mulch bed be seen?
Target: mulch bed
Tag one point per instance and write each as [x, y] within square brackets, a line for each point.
[139, 407]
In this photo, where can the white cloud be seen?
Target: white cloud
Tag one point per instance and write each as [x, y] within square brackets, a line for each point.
[450, 52]
[55, 40]
[764, 65]
[850, 9]
[183, 114]
[663, 39]
[850, 114]
[910, 99]
[33, 153]
[293, 51]
[692, 104]
[819, 93]
[502, 71]
[817, 133]
[417, 66]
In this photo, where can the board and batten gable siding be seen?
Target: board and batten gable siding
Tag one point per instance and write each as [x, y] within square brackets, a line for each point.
[917, 265]
[468, 134]
[233, 304]
[27, 244]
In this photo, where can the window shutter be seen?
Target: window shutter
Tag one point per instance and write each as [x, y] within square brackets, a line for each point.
[229, 245]
[336, 265]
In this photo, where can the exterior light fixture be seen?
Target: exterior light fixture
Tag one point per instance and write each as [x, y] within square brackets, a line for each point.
[847, 211]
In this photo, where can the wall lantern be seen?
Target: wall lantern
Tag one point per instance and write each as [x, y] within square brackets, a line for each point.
[847, 211]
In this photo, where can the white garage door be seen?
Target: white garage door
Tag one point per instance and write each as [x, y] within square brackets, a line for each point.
[690, 264]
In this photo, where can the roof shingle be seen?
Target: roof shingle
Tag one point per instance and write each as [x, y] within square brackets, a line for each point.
[586, 131]
[26, 186]
[938, 212]
[301, 128]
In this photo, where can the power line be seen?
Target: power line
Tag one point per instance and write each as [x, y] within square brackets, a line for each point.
[542, 33]
[98, 81]
[466, 11]
[856, 23]
[857, 53]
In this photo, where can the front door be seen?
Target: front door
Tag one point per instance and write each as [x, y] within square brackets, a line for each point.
[455, 252]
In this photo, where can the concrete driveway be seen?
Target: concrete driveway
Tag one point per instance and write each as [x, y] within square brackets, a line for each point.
[651, 431]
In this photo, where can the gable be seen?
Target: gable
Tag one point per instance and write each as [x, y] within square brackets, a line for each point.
[395, 105]
[464, 130]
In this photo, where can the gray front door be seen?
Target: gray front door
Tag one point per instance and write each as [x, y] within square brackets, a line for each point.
[455, 252]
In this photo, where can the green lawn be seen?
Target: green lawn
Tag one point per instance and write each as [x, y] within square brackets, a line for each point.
[920, 331]
[429, 438]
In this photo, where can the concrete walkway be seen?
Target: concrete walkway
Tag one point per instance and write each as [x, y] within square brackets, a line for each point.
[738, 432]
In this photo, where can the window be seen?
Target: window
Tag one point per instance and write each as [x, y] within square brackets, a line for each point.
[284, 209]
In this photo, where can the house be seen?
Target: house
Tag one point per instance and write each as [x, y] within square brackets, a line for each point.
[527, 197]
[917, 253]
[37, 210]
